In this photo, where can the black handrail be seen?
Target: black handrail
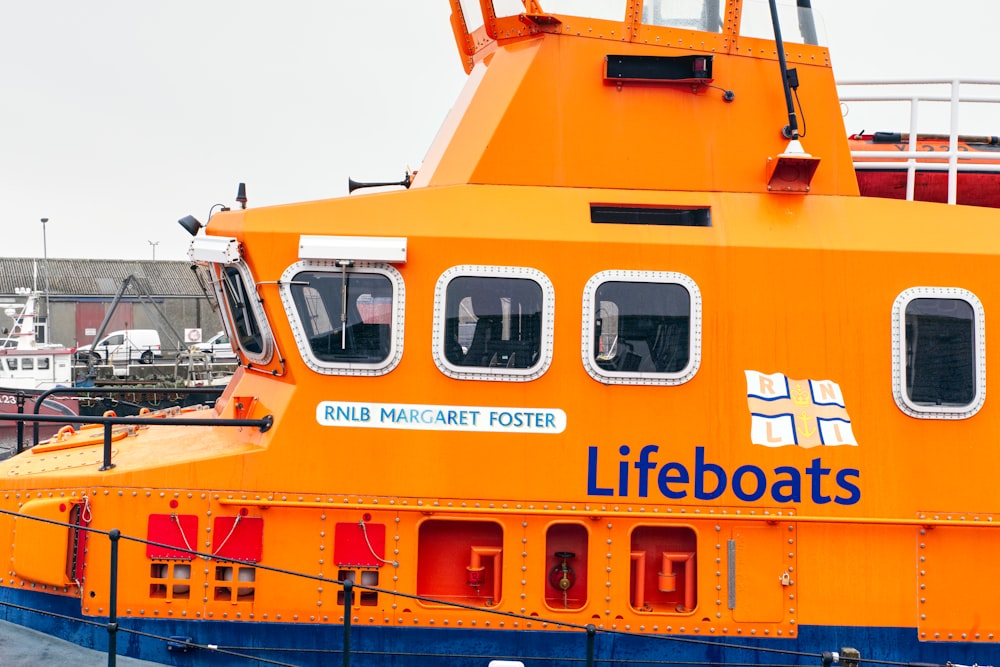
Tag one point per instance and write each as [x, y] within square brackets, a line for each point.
[115, 536]
[110, 391]
[264, 424]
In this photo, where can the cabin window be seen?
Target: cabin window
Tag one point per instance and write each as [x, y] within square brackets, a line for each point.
[346, 317]
[493, 323]
[610, 10]
[12, 363]
[473, 13]
[641, 327]
[798, 22]
[43, 363]
[939, 353]
[247, 316]
[703, 15]
[347, 320]
[27, 364]
[509, 7]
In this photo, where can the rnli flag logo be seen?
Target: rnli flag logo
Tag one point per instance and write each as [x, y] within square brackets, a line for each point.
[807, 413]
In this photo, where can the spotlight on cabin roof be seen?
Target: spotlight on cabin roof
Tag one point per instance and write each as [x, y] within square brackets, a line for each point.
[191, 224]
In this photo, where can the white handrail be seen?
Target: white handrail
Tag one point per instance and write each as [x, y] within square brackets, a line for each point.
[924, 160]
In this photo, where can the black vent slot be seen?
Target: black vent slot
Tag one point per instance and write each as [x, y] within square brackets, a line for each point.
[676, 69]
[650, 215]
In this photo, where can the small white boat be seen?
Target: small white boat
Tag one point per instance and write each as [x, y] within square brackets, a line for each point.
[29, 367]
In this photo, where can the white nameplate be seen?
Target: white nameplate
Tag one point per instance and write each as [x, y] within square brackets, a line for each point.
[441, 417]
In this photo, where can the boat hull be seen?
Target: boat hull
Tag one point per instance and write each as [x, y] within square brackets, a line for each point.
[976, 184]
[14, 401]
[323, 644]
[131, 402]
[973, 188]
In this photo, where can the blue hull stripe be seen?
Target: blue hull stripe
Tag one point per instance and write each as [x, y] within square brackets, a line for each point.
[310, 645]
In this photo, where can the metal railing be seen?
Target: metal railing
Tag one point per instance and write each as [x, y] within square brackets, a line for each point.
[108, 423]
[915, 93]
[587, 655]
[90, 392]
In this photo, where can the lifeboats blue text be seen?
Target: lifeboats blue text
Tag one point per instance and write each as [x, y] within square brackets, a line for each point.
[441, 417]
[641, 475]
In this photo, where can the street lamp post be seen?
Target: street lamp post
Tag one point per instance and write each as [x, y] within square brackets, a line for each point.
[154, 244]
[45, 262]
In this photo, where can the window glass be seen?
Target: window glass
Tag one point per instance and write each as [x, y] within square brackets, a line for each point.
[27, 364]
[611, 10]
[493, 322]
[939, 353]
[239, 300]
[507, 8]
[650, 327]
[12, 363]
[347, 316]
[641, 327]
[799, 24]
[473, 14]
[704, 15]
[43, 363]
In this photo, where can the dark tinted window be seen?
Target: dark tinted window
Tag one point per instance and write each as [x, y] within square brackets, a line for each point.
[239, 299]
[493, 322]
[347, 316]
[940, 352]
[642, 327]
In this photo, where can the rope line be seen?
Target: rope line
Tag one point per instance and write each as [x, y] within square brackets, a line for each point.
[180, 528]
[231, 531]
[364, 531]
[714, 643]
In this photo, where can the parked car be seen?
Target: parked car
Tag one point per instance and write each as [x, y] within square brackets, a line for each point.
[127, 345]
[218, 347]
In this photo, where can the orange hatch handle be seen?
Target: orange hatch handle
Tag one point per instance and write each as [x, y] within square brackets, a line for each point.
[668, 577]
[639, 580]
[476, 570]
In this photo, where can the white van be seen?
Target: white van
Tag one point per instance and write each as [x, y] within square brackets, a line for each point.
[128, 345]
[218, 347]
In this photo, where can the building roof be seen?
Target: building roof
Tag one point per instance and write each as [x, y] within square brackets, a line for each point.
[80, 278]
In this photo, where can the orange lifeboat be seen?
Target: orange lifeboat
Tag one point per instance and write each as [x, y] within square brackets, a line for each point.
[977, 178]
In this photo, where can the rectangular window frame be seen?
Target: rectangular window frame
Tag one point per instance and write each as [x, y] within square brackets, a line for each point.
[299, 330]
[925, 410]
[493, 372]
[592, 317]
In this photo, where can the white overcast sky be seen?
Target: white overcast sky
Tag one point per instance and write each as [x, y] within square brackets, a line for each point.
[119, 117]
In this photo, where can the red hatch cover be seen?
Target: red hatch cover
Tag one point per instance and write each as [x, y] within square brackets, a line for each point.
[351, 549]
[241, 540]
[171, 530]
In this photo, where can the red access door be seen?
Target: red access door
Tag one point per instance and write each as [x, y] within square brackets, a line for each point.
[90, 315]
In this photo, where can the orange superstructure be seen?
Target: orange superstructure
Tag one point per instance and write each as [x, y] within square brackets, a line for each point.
[629, 373]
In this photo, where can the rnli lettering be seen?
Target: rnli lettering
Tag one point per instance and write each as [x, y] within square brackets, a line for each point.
[441, 417]
[705, 480]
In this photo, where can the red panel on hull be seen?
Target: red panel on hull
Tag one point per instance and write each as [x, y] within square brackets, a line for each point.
[238, 538]
[172, 530]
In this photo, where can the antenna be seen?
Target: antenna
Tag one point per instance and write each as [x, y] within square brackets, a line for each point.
[790, 131]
